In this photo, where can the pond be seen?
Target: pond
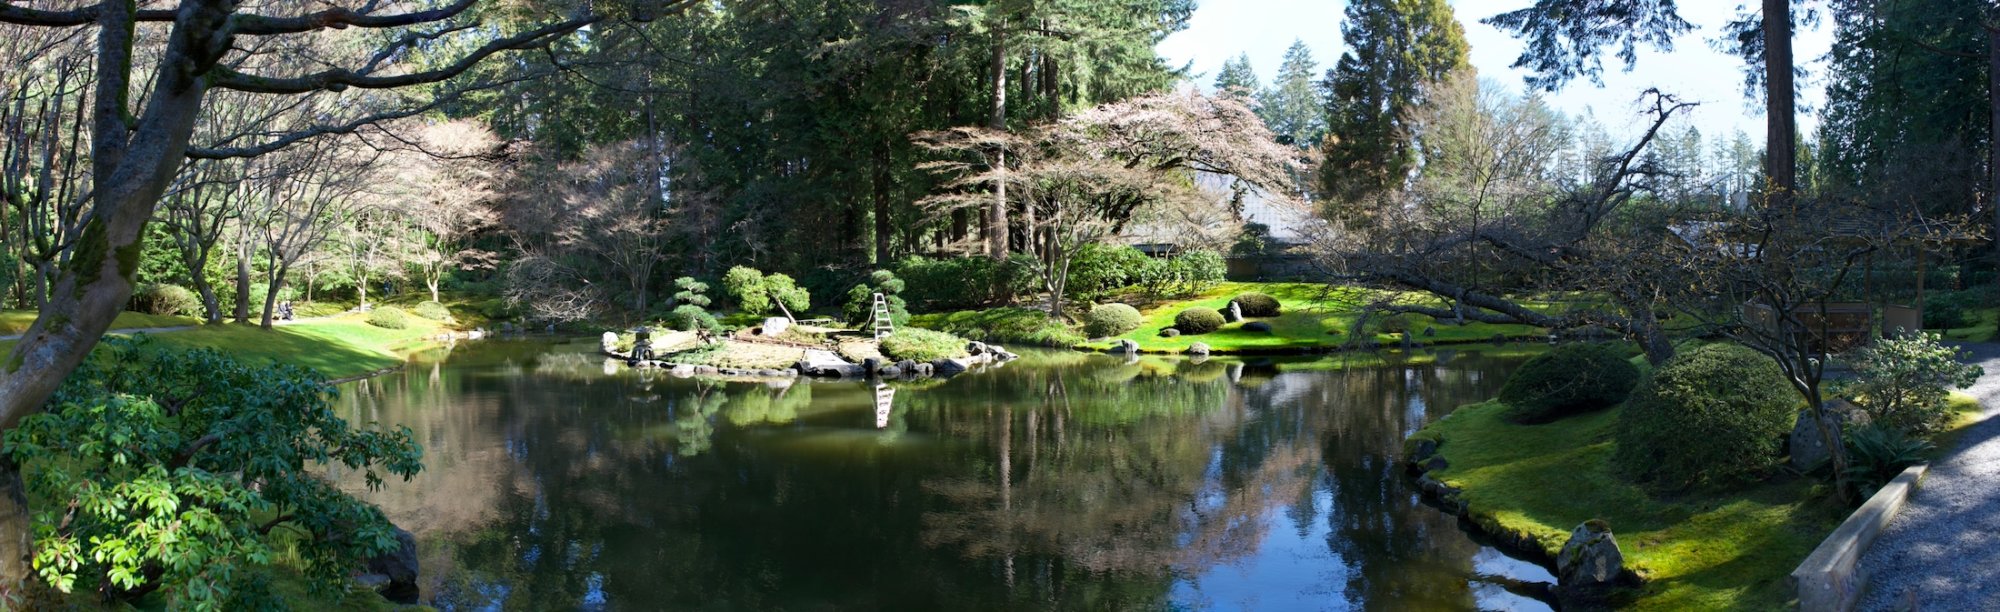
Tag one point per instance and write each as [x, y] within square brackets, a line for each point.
[1060, 481]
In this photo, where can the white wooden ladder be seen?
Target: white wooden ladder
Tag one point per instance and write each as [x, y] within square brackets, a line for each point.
[884, 324]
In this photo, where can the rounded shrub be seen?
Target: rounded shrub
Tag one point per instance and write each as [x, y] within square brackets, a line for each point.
[389, 317]
[689, 317]
[1258, 305]
[1107, 320]
[1572, 379]
[166, 299]
[432, 310]
[1713, 414]
[1197, 321]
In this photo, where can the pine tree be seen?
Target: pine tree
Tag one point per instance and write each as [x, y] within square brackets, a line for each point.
[1398, 50]
[1237, 75]
[1294, 106]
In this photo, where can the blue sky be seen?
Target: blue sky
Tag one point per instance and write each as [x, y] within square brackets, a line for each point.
[1221, 29]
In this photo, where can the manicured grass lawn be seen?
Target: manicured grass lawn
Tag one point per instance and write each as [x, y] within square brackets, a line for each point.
[341, 346]
[14, 322]
[1705, 550]
[1313, 318]
[1982, 330]
[1698, 550]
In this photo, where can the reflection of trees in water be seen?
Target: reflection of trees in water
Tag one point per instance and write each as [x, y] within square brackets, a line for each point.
[1396, 549]
[1107, 471]
[1079, 485]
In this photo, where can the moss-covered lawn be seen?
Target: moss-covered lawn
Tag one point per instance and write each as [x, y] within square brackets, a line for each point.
[14, 322]
[1700, 550]
[1314, 317]
[341, 346]
[1704, 551]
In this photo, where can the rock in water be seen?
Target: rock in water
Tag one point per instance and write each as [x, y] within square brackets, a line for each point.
[1589, 565]
[776, 325]
[608, 342]
[1125, 346]
[400, 566]
[1198, 349]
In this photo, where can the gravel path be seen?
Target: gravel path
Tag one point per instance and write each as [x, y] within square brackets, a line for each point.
[1943, 550]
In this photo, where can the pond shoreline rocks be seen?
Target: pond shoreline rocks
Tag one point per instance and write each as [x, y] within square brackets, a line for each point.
[822, 363]
[1589, 576]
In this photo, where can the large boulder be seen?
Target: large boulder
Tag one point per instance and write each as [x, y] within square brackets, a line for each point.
[1589, 565]
[608, 342]
[950, 367]
[776, 325]
[1233, 313]
[1809, 449]
[1125, 346]
[399, 566]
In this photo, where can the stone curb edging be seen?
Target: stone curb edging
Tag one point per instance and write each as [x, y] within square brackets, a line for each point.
[1830, 577]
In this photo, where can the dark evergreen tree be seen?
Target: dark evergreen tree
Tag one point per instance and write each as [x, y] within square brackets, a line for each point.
[1295, 105]
[1397, 51]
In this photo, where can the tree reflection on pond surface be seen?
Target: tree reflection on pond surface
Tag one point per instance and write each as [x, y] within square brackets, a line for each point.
[1063, 480]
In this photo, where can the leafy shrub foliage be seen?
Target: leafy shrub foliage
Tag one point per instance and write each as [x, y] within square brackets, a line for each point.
[860, 306]
[689, 317]
[1712, 414]
[163, 470]
[1876, 454]
[1258, 305]
[1097, 269]
[1183, 275]
[1198, 321]
[388, 317]
[166, 299]
[758, 293]
[1948, 309]
[1107, 320]
[1006, 326]
[1905, 383]
[1571, 379]
[964, 282]
[920, 344]
[433, 311]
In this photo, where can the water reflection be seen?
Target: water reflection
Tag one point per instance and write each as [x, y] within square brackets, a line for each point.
[1063, 480]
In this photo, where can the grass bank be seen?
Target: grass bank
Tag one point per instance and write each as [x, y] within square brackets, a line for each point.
[1314, 318]
[14, 322]
[339, 346]
[1698, 550]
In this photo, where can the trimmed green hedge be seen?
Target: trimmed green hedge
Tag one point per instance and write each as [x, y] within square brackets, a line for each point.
[1197, 321]
[1107, 320]
[388, 317]
[1715, 414]
[1569, 380]
[433, 311]
[1258, 305]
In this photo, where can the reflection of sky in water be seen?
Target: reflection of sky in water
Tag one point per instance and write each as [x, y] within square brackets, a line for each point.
[1281, 493]
[1294, 570]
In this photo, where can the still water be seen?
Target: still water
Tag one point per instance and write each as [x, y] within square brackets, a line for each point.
[1061, 481]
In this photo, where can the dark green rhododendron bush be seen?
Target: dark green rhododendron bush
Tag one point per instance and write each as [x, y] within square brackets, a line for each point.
[184, 474]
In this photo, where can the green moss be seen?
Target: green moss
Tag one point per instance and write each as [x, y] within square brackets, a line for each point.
[1315, 317]
[1703, 550]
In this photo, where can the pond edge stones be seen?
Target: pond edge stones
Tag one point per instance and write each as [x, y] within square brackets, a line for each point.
[1589, 566]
